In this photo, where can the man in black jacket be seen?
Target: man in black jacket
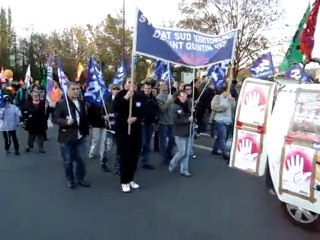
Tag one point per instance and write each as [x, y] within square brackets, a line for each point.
[70, 114]
[111, 141]
[203, 107]
[150, 116]
[129, 144]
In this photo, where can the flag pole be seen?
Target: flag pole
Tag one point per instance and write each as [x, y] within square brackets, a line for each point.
[67, 101]
[192, 107]
[131, 89]
[169, 78]
[105, 108]
[204, 88]
[133, 64]
[123, 30]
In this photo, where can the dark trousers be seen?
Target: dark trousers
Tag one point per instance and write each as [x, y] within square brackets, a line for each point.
[129, 149]
[147, 131]
[32, 137]
[156, 141]
[8, 136]
[49, 111]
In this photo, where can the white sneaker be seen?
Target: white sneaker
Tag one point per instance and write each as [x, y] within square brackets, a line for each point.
[125, 188]
[133, 185]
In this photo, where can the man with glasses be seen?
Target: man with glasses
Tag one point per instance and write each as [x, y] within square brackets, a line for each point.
[73, 131]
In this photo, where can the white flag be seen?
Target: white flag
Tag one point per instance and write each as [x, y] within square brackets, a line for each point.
[27, 77]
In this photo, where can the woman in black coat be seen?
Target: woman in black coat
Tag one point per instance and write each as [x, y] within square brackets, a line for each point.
[35, 121]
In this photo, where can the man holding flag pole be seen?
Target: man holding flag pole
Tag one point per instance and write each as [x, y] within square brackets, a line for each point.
[70, 114]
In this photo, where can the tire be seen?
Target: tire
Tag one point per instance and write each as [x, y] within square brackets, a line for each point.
[301, 217]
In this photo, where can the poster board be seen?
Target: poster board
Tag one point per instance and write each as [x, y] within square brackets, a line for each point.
[293, 145]
[254, 108]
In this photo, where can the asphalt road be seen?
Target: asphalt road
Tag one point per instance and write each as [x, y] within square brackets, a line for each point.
[216, 203]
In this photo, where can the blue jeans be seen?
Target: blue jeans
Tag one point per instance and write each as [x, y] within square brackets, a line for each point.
[182, 155]
[220, 129]
[147, 131]
[74, 152]
[193, 133]
[166, 131]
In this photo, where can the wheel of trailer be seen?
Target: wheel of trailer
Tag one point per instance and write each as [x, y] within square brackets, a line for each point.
[302, 217]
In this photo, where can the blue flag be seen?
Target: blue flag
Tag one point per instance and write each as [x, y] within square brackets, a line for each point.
[49, 76]
[62, 77]
[185, 47]
[159, 68]
[263, 66]
[167, 75]
[120, 74]
[96, 89]
[296, 72]
[2, 104]
[217, 74]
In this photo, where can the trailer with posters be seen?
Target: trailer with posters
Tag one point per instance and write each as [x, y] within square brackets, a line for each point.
[280, 124]
[254, 108]
[293, 148]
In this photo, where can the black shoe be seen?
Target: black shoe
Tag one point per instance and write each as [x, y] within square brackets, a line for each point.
[147, 166]
[105, 167]
[16, 153]
[83, 183]
[42, 151]
[71, 184]
[116, 172]
[27, 150]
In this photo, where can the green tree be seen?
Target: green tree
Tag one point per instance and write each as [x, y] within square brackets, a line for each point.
[108, 37]
[5, 37]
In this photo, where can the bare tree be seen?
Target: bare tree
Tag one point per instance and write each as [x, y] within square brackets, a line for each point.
[251, 17]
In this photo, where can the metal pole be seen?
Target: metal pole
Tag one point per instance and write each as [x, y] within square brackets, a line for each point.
[192, 107]
[123, 31]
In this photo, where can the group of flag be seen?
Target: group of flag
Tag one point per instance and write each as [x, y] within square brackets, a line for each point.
[301, 44]
[263, 68]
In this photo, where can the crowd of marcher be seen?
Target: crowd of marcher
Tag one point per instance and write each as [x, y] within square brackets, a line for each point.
[173, 116]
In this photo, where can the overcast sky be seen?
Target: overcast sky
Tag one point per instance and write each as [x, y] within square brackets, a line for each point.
[45, 16]
[58, 14]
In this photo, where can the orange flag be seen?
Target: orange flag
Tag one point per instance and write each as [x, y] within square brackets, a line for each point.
[79, 71]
